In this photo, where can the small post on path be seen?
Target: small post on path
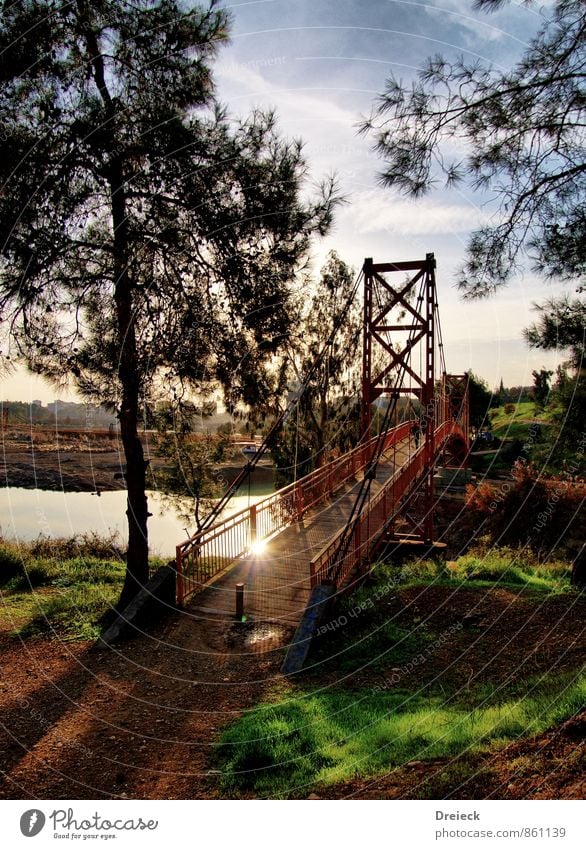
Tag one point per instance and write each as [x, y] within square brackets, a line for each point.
[239, 602]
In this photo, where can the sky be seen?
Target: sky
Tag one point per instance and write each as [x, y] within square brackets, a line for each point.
[321, 64]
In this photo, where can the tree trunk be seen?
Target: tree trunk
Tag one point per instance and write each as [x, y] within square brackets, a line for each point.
[137, 566]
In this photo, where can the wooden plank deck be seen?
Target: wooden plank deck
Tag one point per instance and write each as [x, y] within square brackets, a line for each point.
[276, 578]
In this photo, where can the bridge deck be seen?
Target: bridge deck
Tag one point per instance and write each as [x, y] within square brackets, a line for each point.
[277, 579]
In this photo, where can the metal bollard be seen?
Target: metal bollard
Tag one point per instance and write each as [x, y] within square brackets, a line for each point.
[240, 602]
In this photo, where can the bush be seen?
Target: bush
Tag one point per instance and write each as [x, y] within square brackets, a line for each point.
[526, 510]
[11, 563]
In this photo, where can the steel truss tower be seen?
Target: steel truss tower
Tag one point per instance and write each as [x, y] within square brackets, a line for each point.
[393, 372]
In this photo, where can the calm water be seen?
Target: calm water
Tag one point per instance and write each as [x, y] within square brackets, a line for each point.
[27, 513]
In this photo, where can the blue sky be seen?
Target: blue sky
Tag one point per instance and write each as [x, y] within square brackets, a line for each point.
[321, 64]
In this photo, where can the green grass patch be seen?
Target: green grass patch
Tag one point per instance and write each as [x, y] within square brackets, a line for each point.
[64, 587]
[513, 569]
[521, 423]
[280, 750]
[74, 612]
[358, 634]
[377, 644]
[505, 567]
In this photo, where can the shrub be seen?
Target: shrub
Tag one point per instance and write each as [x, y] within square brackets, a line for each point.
[11, 562]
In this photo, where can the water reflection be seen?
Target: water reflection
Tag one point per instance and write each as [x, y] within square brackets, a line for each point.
[26, 514]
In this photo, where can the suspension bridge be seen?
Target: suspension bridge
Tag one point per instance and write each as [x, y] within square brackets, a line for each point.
[281, 559]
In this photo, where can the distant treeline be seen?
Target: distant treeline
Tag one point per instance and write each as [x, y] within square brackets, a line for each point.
[59, 412]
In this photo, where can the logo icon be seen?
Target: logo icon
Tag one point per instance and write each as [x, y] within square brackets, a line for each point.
[32, 822]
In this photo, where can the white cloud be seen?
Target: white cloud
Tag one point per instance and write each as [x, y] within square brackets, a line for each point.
[378, 210]
[479, 26]
[244, 83]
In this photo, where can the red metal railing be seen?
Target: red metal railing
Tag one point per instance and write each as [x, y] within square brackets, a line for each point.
[207, 554]
[378, 513]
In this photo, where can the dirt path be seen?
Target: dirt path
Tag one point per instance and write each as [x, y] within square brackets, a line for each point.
[141, 720]
[83, 721]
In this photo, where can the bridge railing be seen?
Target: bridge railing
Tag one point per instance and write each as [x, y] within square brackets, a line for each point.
[208, 553]
[327, 566]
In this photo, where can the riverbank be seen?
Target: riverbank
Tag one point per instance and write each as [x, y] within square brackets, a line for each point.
[69, 464]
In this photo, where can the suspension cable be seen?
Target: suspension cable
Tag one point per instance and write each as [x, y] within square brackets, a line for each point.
[442, 358]
[365, 485]
[283, 416]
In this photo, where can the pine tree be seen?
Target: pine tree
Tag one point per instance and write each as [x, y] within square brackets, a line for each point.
[524, 134]
[148, 241]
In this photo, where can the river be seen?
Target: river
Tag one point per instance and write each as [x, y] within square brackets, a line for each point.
[26, 514]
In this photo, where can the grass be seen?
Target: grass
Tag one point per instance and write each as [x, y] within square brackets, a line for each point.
[279, 750]
[505, 567]
[513, 569]
[371, 640]
[60, 586]
[358, 634]
[518, 424]
[301, 738]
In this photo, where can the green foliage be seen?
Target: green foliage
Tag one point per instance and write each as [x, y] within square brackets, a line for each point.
[569, 415]
[191, 467]
[326, 421]
[63, 587]
[541, 388]
[280, 750]
[561, 325]
[522, 130]
[479, 399]
[149, 242]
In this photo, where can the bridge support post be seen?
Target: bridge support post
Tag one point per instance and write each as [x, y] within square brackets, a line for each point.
[240, 602]
[299, 502]
[367, 387]
[398, 319]
[428, 395]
